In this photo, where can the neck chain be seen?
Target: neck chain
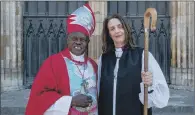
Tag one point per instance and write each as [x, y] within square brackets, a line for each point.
[84, 83]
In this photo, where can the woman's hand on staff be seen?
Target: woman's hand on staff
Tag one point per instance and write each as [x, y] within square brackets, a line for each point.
[147, 78]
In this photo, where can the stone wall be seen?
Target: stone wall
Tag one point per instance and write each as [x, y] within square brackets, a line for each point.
[182, 41]
[182, 45]
[95, 46]
[11, 45]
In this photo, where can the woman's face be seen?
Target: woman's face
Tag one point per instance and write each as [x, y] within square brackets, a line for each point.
[116, 32]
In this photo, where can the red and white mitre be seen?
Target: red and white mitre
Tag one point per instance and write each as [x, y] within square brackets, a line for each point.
[81, 20]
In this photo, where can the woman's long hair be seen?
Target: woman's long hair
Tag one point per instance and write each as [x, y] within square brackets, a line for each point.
[108, 44]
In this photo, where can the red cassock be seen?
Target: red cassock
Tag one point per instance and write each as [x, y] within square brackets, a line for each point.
[51, 83]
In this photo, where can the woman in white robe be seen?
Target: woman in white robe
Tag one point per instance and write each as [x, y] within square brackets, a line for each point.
[117, 38]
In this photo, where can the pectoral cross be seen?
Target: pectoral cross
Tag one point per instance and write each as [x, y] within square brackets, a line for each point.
[84, 86]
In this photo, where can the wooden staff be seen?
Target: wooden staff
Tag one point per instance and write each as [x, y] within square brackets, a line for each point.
[150, 12]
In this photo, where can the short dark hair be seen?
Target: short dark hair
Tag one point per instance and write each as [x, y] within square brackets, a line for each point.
[74, 33]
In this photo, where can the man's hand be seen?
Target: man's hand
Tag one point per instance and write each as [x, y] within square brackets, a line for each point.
[147, 78]
[81, 100]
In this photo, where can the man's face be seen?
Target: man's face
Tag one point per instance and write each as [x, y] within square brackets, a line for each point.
[77, 43]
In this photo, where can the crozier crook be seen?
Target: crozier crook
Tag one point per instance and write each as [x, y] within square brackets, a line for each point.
[150, 12]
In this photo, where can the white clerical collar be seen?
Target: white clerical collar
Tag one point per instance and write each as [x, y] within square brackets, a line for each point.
[77, 58]
[118, 49]
[118, 52]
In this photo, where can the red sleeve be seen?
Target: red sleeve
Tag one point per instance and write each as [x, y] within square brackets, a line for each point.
[43, 92]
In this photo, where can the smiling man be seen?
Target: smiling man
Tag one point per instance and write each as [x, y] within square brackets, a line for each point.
[66, 82]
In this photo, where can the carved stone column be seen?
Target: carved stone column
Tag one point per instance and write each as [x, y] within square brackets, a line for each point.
[182, 64]
[11, 45]
[95, 46]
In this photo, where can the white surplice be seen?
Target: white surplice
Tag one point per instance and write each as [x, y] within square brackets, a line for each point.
[160, 95]
[62, 105]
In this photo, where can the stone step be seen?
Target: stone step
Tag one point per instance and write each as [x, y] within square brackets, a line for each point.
[169, 110]
[181, 103]
[12, 110]
[175, 109]
[173, 114]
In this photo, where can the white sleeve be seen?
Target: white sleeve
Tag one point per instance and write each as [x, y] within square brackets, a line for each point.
[99, 72]
[60, 107]
[160, 95]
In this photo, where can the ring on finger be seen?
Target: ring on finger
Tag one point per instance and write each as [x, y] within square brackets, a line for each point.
[90, 104]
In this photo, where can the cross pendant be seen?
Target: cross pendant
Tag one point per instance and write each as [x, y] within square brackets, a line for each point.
[84, 84]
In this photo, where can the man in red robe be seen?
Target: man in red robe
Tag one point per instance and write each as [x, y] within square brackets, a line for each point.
[66, 81]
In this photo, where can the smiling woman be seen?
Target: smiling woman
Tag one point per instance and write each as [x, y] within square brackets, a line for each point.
[116, 33]
[77, 43]
[122, 76]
